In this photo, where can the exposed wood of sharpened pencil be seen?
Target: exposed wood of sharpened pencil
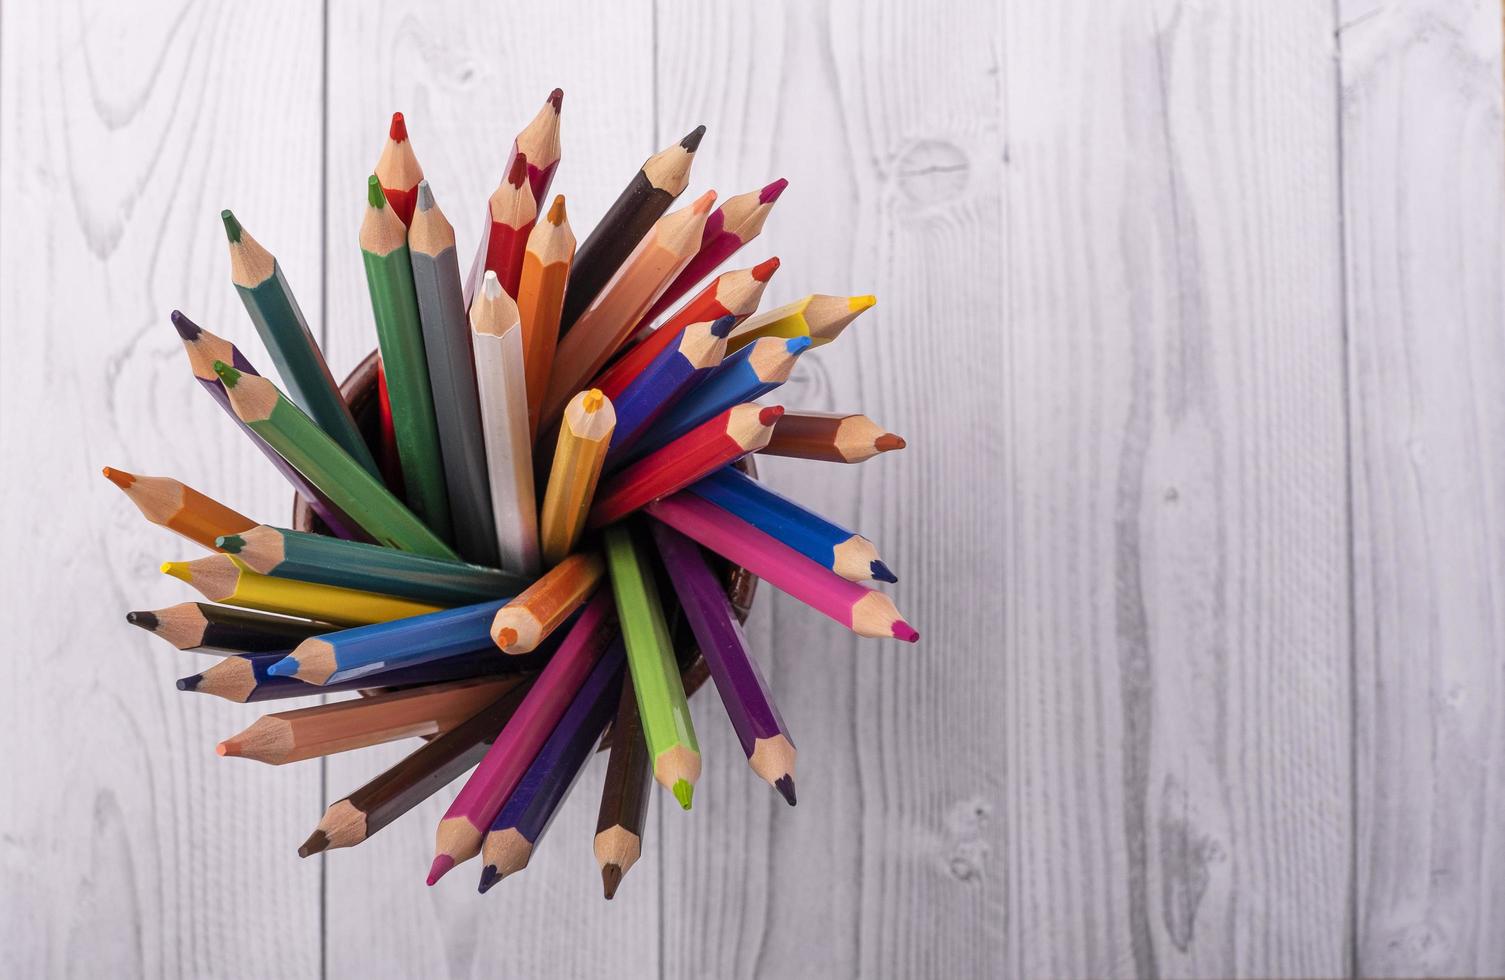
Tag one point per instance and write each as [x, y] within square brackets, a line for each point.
[606, 324]
[821, 318]
[584, 435]
[325, 729]
[394, 305]
[381, 800]
[201, 626]
[224, 578]
[269, 300]
[398, 170]
[539, 143]
[496, 338]
[452, 379]
[831, 437]
[540, 298]
[661, 179]
[178, 507]
[522, 624]
[624, 794]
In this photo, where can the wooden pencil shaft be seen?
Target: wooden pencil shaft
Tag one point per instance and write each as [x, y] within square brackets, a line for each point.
[202, 626]
[579, 455]
[670, 376]
[509, 453]
[178, 507]
[629, 773]
[223, 578]
[248, 679]
[821, 318]
[540, 300]
[533, 614]
[830, 437]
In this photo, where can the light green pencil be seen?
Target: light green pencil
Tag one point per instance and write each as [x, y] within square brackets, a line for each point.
[389, 276]
[270, 302]
[348, 485]
[655, 675]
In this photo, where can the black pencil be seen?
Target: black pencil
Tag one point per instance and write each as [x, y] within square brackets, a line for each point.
[202, 626]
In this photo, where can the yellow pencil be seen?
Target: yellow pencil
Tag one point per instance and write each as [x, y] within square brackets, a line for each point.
[821, 318]
[224, 578]
[584, 434]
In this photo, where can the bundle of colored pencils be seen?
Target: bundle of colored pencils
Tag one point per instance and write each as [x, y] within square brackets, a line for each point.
[526, 545]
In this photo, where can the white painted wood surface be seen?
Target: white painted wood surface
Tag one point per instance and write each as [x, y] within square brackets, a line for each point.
[1190, 312]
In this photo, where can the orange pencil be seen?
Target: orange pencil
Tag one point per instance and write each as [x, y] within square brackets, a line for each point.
[540, 298]
[525, 622]
[398, 171]
[179, 507]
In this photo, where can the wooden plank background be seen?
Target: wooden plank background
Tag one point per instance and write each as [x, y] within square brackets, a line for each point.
[1192, 316]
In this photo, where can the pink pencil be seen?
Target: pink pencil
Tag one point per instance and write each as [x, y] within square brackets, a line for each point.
[469, 817]
[866, 612]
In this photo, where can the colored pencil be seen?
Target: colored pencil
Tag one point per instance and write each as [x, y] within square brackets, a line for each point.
[821, 318]
[735, 294]
[386, 433]
[661, 179]
[605, 325]
[399, 330]
[667, 728]
[668, 378]
[354, 818]
[178, 507]
[525, 817]
[398, 171]
[540, 297]
[496, 338]
[510, 213]
[458, 837]
[245, 678]
[750, 373]
[624, 795]
[823, 541]
[452, 378]
[326, 729]
[539, 143]
[224, 578]
[761, 731]
[738, 221]
[523, 623]
[865, 611]
[724, 439]
[584, 433]
[831, 437]
[201, 626]
[353, 653]
[353, 489]
[269, 301]
[371, 568]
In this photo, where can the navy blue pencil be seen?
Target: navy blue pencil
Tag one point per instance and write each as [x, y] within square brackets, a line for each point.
[244, 677]
[525, 816]
[750, 373]
[844, 552]
[671, 375]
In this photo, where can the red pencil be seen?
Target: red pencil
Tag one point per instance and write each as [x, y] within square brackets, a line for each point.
[734, 293]
[386, 453]
[398, 170]
[510, 214]
[539, 142]
[739, 430]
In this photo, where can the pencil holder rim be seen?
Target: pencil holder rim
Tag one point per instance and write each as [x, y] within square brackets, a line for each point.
[359, 391]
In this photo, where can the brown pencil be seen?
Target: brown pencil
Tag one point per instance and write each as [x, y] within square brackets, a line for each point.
[325, 729]
[178, 507]
[624, 796]
[832, 437]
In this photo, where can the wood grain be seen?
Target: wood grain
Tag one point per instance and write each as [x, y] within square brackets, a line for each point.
[128, 848]
[1424, 210]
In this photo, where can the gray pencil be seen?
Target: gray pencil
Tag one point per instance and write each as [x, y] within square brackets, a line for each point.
[452, 376]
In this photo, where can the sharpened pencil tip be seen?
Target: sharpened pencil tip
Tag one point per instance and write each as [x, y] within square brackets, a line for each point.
[764, 270]
[227, 374]
[692, 139]
[882, 572]
[374, 196]
[441, 866]
[233, 229]
[785, 785]
[592, 402]
[399, 130]
[185, 327]
[286, 667]
[189, 683]
[317, 842]
[519, 171]
[504, 637]
[857, 304]
[230, 543]
[888, 442]
[177, 569]
[797, 345]
[489, 876]
[703, 203]
[770, 414]
[771, 193]
[425, 201]
[120, 478]
[491, 286]
[556, 211]
[611, 879]
[226, 748]
[903, 631]
[684, 792]
[723, 326]
[556, 99]
[142, 618]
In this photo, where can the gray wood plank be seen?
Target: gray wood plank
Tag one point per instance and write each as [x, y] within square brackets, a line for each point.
[129, 849]
[468, 76]
[1424, 195]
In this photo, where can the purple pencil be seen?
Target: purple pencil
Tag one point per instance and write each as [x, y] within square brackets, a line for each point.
[204, 348]
[677, 369]
[744, 692]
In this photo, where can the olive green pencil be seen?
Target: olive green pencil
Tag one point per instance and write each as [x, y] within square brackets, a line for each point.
[394, 302]
[348, 485]
[655, 675]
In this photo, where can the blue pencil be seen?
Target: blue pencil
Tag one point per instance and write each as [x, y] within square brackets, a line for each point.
[354, 653]
[844, 552]
[526, 814]
[752, 372]
[670, 376]
[245, 677]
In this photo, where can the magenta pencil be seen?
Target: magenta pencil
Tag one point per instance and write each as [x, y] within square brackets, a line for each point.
[469, 817]
[866, 612]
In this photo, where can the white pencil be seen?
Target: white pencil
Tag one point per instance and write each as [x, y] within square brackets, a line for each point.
[496, 334]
